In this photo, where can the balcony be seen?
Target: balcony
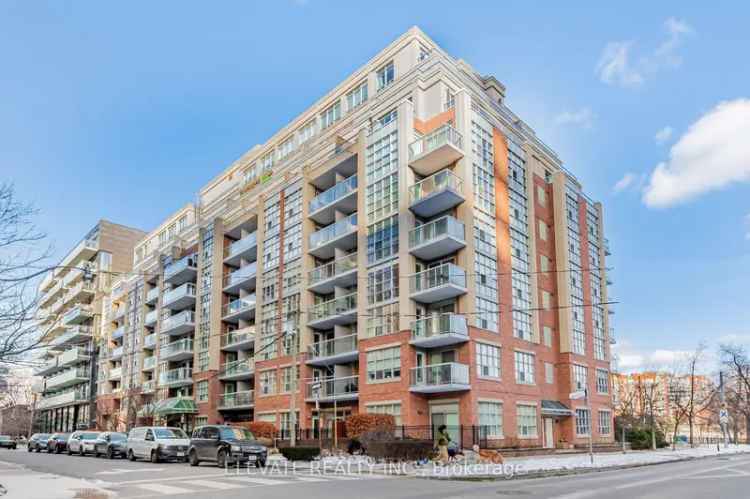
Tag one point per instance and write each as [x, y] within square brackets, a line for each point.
[148, 387]
[75, 355]
[181, 271]
[48, 368]
[439, 283]
[342, 235]
[115, 374]
[182, 376]
[236, 400]
[340, 350]
[152, 296]
[117, 353]
[241, 308]
[177, 350]
[68, 378]
[117, 313]
[81, 291]
[328, 390]
[341, 272]
[118, 333]
[151, 318]
[435, 194]
[436, 150]
[179, 324]
[74, 335]
[149, 341]
[440, 378]
[78, 314]
[341, 310]
[63, 399]
[180, 298]
[239, 339]
[438, 238]
[244, 249]
[242, 278]
[149, 363]
[237, 370]
[341, 197]
[439, 331]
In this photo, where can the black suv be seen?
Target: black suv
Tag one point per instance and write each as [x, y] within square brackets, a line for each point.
[111, 444]
[58, 443]
[37, 442]
[225, 445]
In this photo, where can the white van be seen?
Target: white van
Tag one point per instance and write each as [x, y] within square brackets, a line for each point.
[157, 443]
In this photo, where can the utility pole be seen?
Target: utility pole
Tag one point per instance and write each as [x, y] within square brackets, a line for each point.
[293, 395]
[591, 428]
[723, 414]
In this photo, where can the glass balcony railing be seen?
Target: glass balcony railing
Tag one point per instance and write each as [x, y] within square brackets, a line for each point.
[334, 346]
[333, 231]
[333, 194]
[333, 388]
[438, 325]
[239, 305]
[151, 317]
[446, 134]
[444, 226]
[182, 375]
[434, 277]
[149, 341]
[333, 307]
[148, 386]
[243, 244]
[332, 269]
[152, 295]
[238, 368]
[118, 333]
[441, 181]
[449, 373]
[179, 266]
[149, 362]
[115, 373]
[241, 275]
[238, 336]
[183, 318]
[180, 346]
[185, 290]
[117, 352]
[236, 399]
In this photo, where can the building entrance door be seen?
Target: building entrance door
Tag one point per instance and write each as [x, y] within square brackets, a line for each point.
[549, 433]
[446, 414]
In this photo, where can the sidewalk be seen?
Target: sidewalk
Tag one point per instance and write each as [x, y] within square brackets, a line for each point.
[19, 482]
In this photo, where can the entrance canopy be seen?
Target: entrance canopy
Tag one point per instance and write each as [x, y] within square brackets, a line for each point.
[555, 408]
[175, 405]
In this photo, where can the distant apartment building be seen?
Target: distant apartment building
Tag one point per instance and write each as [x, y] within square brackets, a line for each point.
[407, 245]
[70, 319]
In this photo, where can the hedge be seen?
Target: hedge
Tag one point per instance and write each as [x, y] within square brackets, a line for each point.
[300, 453]
[401, 450]
[359, 424]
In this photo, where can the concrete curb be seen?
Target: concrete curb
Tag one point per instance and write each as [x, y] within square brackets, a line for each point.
[568, 472]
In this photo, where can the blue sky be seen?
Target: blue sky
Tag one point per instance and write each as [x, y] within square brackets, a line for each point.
[125, 111]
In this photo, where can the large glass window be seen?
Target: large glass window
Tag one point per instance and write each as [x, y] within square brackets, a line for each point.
[394, 409]
[491, 419]
[385, 75]
[382, 284]
[330, 115]
[268, 382]
[488, 360]
[382, 240]
[526, 419]
[524, 368]
[580, 377]
[602, 381]
[583, 422]
[605, 422]
[382, 320]
[357, 96]
[384, 364]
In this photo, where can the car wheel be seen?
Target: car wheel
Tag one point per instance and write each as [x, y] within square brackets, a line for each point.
[154, 456]
[70, 452]
[193, 458]
[131, 456]
[50, 450]
[80, 451]
[38, 450]
[28, 448]
[221, 459]
[110, 454]
[57, 449]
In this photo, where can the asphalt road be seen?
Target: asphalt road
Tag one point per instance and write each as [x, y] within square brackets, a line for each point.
[722, 477]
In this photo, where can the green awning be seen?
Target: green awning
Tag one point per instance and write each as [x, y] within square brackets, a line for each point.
[175, 405]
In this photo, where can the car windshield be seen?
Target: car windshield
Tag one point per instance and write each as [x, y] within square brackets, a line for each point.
[89, 436]
[169, 433]
[116, 437]
[236, 433]
[43, 436]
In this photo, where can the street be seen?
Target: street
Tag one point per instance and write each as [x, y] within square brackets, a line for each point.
[721, 477]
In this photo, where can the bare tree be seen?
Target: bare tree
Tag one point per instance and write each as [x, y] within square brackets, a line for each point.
[650, 401]
[736, 364]
[22, 252]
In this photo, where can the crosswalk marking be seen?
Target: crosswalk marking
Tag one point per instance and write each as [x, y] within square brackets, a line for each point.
[163, 489]
[258, 481]
[309, 479]
[211, 484]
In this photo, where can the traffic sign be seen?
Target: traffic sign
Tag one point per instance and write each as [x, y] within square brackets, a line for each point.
[723, 416]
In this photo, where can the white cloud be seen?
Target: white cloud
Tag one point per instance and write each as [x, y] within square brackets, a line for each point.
[625, 182]
[617, 67]
[583, 118]
[663, 135]
[630, 360]
[713, 153]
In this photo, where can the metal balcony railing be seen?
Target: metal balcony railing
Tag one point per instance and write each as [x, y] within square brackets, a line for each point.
[236, 399]
[439, 325]
[333, 194]
[440, 181]
[445, 134]
[444, 226]
[333, 231]
[446, 273]
[334, 346]
[332, 269]
[333, 307]
[449, 373]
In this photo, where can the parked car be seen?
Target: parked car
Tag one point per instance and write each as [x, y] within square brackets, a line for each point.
[7, 443]
[82, 442]
[37, 442]
[57, 442]
[111, 444]
[157, 443]
[225, 445]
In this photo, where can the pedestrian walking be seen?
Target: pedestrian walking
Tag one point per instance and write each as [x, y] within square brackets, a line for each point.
[442, 439]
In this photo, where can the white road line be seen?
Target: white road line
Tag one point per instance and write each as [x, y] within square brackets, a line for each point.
[163, 489]
[257, 481]
[167, 479]
[212, 485]
[309, 479]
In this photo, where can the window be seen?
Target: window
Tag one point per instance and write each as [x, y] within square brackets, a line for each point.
[605, 422]
[330, 115]
[549, 373]
[384, 364]
[201, 420]
[266, 162]
[488, 360]
[544, 263]
[583, 422]
[356, 97]
[491, 419]
[382, 320]
[541, 195]
[542, 230]
[547, 336]
[580, 375]
[182, 223]
[306, 132]
[524, 368]
[546, 300]
[202, 360]
[382, 239]
[382, 284]
[287, 378]
[285, 148]
[602, 381]
[385, 76]
[450, 99]
[382, 197]
[394, 409]
[526, 419]
[202, 391]
[268, 382]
